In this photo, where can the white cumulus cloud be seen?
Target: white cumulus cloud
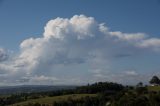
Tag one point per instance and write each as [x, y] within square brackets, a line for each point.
[71, 43]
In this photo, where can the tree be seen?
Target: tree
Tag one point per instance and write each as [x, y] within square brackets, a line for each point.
[155, 80]
[140, 84]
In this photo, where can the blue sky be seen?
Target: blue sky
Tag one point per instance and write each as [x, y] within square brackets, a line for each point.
[22, 23]
[21, 19]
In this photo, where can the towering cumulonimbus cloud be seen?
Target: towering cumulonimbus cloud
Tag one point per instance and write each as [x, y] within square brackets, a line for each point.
[71, 44]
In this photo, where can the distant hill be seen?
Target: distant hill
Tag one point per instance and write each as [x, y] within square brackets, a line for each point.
[5, 90]
[96, 94]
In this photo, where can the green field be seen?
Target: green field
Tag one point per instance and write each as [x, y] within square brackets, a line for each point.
[154, 88]
[50, 100]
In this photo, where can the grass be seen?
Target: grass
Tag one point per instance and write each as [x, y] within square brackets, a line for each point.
[154, 88]
[50, 100]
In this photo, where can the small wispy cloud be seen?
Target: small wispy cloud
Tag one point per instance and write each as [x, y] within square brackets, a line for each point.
[3, 55]
[131, 73]
[122, 55]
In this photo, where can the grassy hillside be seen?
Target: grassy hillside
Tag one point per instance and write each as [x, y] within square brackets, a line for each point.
[50, 100]
[153, 88]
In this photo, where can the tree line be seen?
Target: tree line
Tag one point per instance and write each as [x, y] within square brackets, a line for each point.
[108, 94]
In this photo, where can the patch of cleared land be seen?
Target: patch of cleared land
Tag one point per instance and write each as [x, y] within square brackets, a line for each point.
[154, 88]
[50, 100]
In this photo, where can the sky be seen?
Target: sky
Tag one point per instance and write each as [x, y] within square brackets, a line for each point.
[74, 42]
